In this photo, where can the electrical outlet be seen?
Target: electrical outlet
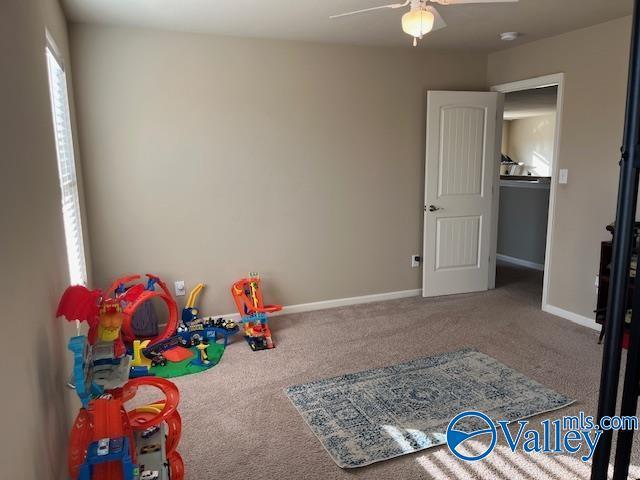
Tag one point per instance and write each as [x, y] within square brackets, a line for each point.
[180, 289]
[415, 261]
[563, 176]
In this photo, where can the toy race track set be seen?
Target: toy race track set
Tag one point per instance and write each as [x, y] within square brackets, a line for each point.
[126, 349]
[108, 442]
[247, 296]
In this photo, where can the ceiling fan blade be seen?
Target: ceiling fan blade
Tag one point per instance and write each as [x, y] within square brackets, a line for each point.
[381, 7]
[438, 22]
[463, 2]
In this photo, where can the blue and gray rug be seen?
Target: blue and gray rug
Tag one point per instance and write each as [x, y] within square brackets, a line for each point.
[371, 416]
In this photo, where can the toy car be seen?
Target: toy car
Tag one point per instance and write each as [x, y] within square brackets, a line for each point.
[154, 447]
[150, 475]
[227, 324]
[103, 447]
[150, 432]
[158, 360]
[115, 445]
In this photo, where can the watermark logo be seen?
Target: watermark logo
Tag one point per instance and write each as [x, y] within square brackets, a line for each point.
[458, 433]
[569, 434]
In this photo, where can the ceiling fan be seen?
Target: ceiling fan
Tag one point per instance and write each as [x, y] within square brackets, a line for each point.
[421, 18]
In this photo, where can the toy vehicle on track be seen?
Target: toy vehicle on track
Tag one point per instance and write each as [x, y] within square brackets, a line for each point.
[150, 475]
[150, 432]
[154, 447]
[103, 447]
[206, 329]
[158, 360]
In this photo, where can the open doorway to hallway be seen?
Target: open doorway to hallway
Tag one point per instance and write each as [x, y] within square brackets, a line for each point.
[530, 132]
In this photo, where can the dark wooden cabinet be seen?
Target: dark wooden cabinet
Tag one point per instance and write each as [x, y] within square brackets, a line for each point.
[606, 251]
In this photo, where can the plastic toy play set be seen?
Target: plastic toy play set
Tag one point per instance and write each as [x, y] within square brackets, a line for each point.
[247, 296]
[126, 349]
[107, 441]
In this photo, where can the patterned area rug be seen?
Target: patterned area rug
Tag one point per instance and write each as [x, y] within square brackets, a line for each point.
[371, 416]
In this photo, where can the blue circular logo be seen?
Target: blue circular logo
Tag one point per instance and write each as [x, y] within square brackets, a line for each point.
[457, 437]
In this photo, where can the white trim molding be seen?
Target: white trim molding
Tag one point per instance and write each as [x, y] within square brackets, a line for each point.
[571, 316]
[338, 302]
[519, 261]
[540, 82]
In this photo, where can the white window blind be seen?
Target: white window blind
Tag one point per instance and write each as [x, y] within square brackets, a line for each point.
[66, 169]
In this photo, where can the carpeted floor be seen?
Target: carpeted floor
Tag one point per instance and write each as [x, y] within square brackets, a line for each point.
[239, 424]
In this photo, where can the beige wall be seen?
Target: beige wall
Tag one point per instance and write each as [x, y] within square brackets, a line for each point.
[505, 136]
[34, 401]
[531, 142]
[208, 157]
[594, 61]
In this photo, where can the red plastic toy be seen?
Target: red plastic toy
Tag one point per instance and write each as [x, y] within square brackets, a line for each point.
[107, 418]
[104, 315]
[247, 296]
[250, 304]
[144, 295]
[109, 313]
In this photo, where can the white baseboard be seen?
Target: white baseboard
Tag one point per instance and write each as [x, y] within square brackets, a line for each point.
[571, 316]
[338, 302]
[521, 262]
[379, 297]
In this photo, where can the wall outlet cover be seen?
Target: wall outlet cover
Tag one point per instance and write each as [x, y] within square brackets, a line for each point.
[415, 261]
[180, 288]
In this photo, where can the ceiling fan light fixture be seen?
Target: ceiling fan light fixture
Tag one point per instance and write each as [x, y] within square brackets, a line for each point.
[418, 22]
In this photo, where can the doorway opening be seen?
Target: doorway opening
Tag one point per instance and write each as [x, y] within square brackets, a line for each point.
[527, 181]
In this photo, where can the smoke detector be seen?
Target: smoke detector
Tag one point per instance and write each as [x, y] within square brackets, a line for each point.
[509, 36]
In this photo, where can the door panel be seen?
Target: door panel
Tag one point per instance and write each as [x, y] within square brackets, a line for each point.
[461, 167]
[457, 242]
[460, 159]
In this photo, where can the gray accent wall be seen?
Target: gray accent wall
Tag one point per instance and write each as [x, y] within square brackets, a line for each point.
[522, 223]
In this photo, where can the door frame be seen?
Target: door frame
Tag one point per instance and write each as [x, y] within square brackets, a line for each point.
[528, 84]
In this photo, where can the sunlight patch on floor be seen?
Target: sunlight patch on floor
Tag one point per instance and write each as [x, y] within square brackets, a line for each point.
[504, 464]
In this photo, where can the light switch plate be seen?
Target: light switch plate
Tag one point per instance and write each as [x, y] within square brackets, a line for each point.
[180, 289]
[563, 176]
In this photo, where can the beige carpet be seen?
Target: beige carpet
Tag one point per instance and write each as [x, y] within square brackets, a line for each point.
[239, 424]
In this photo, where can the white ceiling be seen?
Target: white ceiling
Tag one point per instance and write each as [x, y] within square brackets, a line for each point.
[530, 103]
[470, 26]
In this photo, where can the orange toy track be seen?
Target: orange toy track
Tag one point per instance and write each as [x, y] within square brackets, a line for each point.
[164, 294]
[245, 304]
[107, 418]
[176, 466]
[79, 441]
[169, 405]
[173, 421]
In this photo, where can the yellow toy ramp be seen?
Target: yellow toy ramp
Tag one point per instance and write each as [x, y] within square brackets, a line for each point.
[193, 295]
[139, 360]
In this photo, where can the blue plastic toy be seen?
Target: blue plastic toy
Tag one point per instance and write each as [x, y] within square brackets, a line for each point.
[81, 380]
[109, 450]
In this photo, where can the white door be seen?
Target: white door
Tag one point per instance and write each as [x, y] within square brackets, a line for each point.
[462, 158]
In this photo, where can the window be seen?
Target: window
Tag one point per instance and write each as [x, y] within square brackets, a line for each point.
[66, 168]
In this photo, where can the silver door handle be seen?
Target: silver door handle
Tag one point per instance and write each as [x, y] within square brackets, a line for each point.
[433, 208]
